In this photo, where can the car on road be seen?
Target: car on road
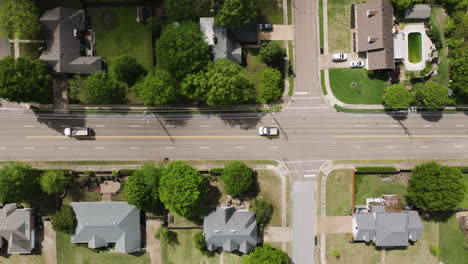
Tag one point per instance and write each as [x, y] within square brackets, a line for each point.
[357, 64]
[268, 131]
[339, 57]
[265, 27]
[77, 131]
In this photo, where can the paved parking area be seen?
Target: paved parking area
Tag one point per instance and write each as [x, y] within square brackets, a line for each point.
[334, 224]
[325, 61]
[279, 32]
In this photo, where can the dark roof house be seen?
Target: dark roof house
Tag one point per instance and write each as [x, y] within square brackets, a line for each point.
[17, 228]
[419, 11]
[101, 223]
[230, 230]
[374, 24]
[67, 51]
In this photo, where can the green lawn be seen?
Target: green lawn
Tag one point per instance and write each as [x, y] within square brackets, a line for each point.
[254, 67]
[270, 11]
[439, 19]
[69, 253]
[371, 186]
[365, 90]
[464, 204]
[339, 16]
[270, 190]
[34, 258]
[350, 252]
[322, 82]
[30, 50]
[290, 11]
[415, 47]
[117, 33]
[339, 193]
[451, 242]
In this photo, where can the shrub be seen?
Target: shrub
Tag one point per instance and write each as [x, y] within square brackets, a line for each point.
[216, 171]
[349, 237]
[64, 220]
[263, 212]
[54, 181]
[126, 69]
[165, 235]
[271, 87]
[435, 250]
[272, 54]
[382, 170]
[237, 178]
[200, 244]
[335, 253]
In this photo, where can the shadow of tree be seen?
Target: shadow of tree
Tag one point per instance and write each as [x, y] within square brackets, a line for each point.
[245, 123]
[432, 116]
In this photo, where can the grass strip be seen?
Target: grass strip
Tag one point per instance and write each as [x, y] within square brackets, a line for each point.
[322, 82]
[291, 68]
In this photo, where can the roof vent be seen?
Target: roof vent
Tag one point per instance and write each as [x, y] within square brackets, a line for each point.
[216, 231]
[233, 231]
[114, 223]
[371, 13]
[372, 39]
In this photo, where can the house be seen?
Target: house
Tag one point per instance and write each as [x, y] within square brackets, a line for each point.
[69, 43]
[374, 25]
[227, 43]
[386, 224]
[230, 230]
[418, 12]
[17, 228]
[102, 223]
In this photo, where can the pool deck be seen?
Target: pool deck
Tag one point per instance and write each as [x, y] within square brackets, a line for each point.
[427, 47]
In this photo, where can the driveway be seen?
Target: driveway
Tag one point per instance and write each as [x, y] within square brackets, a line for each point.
[153, 245]
[326, 62]
[279, 32]
[49, 248]
[277, 234]
[334, 224]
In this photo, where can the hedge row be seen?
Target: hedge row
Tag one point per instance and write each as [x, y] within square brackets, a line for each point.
[216, 171]
[376, 170]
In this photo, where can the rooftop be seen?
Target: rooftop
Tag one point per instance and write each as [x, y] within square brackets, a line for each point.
[17, 227]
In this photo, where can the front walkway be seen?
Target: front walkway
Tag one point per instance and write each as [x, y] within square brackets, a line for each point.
[279, 32]
[49, 247]
[153, 245]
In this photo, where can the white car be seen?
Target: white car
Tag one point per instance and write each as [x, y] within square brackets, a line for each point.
[357, 64]
[339, 57]
[268, 131]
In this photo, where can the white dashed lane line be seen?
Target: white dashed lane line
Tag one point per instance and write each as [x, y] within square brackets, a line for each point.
[205, 147]
[100, 125]
[99, 147]
[205, 125]
[62, 148]
[460, 125]
[392, 147]
[169, 147]
[135, 147]
[135, 126]
[29, 148]
[458, 146]
[28, 126]
[3, 148]
[239, 147]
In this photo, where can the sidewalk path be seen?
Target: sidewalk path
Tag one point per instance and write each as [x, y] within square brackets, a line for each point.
[153, 245]
[49, 247]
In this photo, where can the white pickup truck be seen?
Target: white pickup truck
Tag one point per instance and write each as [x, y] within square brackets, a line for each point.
[77, 131]
[268, 131]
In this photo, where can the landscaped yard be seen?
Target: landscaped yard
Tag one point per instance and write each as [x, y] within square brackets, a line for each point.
[34, 258]
[118, 33]
[339, 17]
[451, 242]
[350, 252]
[353, 86]
[270, 190]
[270, 11]
[339, 193]
[69, 253]
[371, 186]
[254, 67]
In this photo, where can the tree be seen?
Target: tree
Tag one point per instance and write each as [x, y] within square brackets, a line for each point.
[397, 97]
[403, 4]
[25, 80]
[272, 54]
[227, 84]
[236, 14]
[183, 189]
[126, 69]
[237, 178]
[142, 188]
[200, 243]
[433, 187]
[459, 71]
[182, 49]
[18, 19]
[432, 95]
[195, 86]
[180, 10]
[266, 254]
[17, 182]
[263, 212]
[54, 181]
[97, 88]
[271, 87]
[64, 220]
[156, 88]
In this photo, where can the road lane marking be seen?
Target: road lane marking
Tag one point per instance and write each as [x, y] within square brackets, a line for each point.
[307, 107]
[390, 146]
[205, 147]
[170, 126]
[460, 125]
[299, 93]
[357, 147]
[62, 148]
[272, 147]
[393, 125]
[427, 125]
[135, 147]
[135, 126]
[100, 125]
[99, 147]
[400, 136]
[145, 137]
[359, 125]
[29, 148]
[28, 126]
[239, 147]
[309, 175]
[304, 98]
[310, 170]
[423, 146]
[458, 146]
[304, 161]
[205, 125]
[3, 148]
[169, 147]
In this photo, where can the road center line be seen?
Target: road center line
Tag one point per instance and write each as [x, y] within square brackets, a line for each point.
[309, 175]
[205, 125]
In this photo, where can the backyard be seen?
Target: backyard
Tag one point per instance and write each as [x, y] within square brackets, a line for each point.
[451, 242]
[339, 16]
[372, 186]
[354, 86]
[439, 18]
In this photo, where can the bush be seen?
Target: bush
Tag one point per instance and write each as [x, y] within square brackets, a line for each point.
[64, 220]
[54, 181]
[263, 212]
[216, 171]
[383, 170]
[165, 235]
[237, 178]
[349, 237]
[97, 88]
[271, 87]
[126, 69]
[266, 254]
[200, 244]
[397, 97]
[435, 250]
[272, 54]
[335, 253]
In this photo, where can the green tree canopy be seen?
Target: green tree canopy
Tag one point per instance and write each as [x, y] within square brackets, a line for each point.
[183, 189]
[459, 71]
[403, 4]
[238, 178]
[180, 10]
[228, 84]
[126, 69]
[200, 243]
[433, 187]
[266, 254]
[432, 95]
[25, 80]
[195, 86]
[97, 88]
[182, 49]
[17, 182]
[263, 212]
[64, 220]
[158, 87]
[271, 87]
[19, 19]
[272, 54]
[54, 181]
[142, 188]
[236, 14]
[397, 97]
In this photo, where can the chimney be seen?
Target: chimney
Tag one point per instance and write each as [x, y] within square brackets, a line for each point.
[371, 13]
[372, 39]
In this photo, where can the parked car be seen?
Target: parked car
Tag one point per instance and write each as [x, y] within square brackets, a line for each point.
[265, 27]
[357, 64]
[268, 131]
[339, 57]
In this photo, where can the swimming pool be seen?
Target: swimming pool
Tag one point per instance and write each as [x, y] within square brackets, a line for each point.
[415, 47]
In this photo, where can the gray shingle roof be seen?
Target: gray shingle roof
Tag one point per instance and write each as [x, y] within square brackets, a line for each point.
[374, 22]
[419, 11]
[230, 230]
[387, 229]
[63, 49]
[17, 227]
[226, 46]
[100, 223]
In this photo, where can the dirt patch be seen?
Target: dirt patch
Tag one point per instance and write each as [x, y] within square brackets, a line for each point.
[462, 221]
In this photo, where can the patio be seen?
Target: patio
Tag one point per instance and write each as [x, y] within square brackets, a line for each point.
[402, 46]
